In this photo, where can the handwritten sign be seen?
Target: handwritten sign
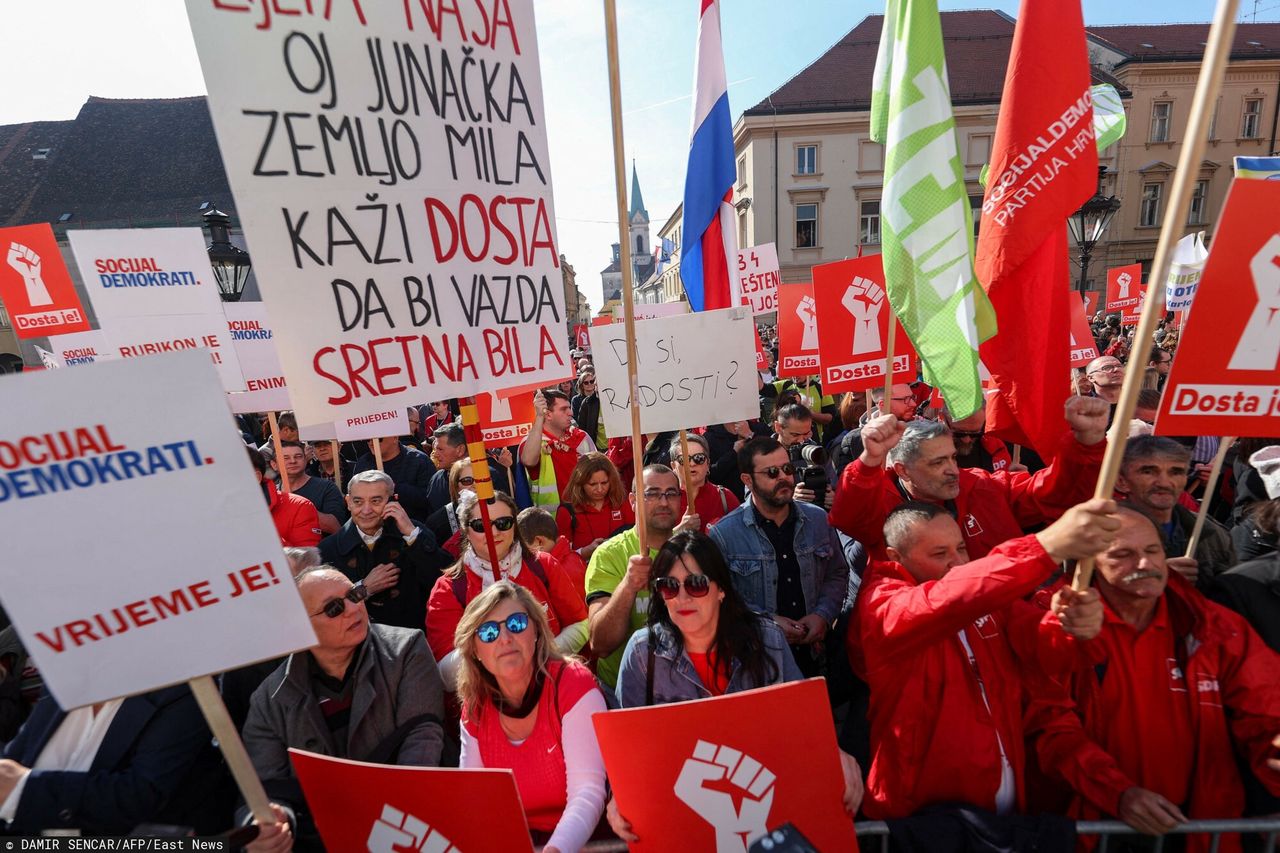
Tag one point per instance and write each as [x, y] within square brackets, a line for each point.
[34, 284]
[692, 370]
[136, 451]
[652, 311]
[254, 343]
[797, 331]
[854, 327]
[391, 167]
[759, 277]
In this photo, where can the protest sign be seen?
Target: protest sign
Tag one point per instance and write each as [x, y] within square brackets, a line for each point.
[388, 422]
[386, 808]
[171, 551]
[391, 170]
[1123, 284]
[1083, 347]
[720, 776]
[48, 359]
[854, 331]
[80, 348]
[1225, 379]
[602, 320]
[652, 311]
[35, 287]
[1091, 303]
[797, 331]
[254, 343]
[691, 370]
[759, 277]
[762, 361]
[1131, 314]
[580, 338]
[505, 420]
[1189, 257]
[133, 337]
[320, 432]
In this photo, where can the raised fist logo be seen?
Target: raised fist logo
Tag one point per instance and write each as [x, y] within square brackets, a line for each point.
[397, 832]
[1259, 346]
[864, 299]
[807, 311]
[1124, 280]
[728, 790]
[27, 264]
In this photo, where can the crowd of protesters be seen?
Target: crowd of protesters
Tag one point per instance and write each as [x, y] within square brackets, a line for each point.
[904, 555]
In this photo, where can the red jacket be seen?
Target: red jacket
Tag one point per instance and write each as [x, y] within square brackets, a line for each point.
[572, 564]
[1235, 681]
[295, 518]
[991, 508]
[933, 738]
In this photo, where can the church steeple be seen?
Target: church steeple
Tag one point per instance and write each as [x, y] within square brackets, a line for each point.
[637, 201]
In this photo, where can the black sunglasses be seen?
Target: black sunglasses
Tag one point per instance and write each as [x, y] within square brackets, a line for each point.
[466, 481]
[964, 433]
[335, 607]
[489, 631]
[695, 458]
[504, 524]
[696, 585]
[773, 472]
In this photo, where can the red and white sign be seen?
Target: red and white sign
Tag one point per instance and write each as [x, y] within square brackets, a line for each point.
[506, 420]
[762, 361]
[382, 424]
[141, 454]
[1091, 303]
[81, 348]
[1225, 379]
[35, 286]
[1083, 347]
[254, 343]
[652, 311]
[580, 339]
[1124, 285]
[759, 277]
[797, 331]
[719, 776]
[389, 809]
[854, 330]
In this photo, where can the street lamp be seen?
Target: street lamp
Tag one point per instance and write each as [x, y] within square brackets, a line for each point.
[230, 263]
[1088, 224]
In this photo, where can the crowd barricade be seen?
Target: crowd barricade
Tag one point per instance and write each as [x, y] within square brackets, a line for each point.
[1104, 830]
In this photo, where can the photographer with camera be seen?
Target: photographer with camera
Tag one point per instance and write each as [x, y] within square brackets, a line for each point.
[784, 557]
[815, 478]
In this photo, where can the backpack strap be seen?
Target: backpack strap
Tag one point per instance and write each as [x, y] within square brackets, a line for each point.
[724, 503]
[573, 518]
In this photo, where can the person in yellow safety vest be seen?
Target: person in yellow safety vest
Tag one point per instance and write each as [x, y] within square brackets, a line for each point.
[551, 450]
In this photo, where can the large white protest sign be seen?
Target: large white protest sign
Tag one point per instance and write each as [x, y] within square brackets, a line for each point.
[80, 348]
[254, 343]
[692, 370]
[390, 163]
[133, 337]
[758, 277]
[320, 432]
[652, 311]
[138, 547]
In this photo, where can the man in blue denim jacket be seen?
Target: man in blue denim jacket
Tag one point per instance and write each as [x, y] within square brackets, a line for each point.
[785, 558]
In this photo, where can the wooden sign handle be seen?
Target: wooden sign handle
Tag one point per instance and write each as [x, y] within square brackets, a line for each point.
[215, 714]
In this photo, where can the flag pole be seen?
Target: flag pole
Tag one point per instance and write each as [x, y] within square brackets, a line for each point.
[1212, 70]
[888, 359]
[1214, 473]
[624, 241]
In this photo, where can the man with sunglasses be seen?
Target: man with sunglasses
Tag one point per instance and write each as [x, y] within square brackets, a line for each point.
[363, 692]
[976, 449]
[785, 558]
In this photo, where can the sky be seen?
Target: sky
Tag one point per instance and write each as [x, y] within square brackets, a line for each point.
[63, 51]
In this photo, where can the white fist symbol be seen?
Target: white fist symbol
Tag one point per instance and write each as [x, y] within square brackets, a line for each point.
[722, 766]
[1124, 280]
[1259, 347]
[864, 299]
[807, 311]
[27, 264]
[397, 832]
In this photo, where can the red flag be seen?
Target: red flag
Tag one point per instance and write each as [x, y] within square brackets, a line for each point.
[1043, 166]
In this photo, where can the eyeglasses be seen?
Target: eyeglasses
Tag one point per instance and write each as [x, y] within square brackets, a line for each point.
[489, 631]
[903, 400]
[335, 607]
[668, 495]
[695, 585]
[695, 458]
[773, 472]
[504, 523]
[1107, 368]
[964, 433]
[466, 481]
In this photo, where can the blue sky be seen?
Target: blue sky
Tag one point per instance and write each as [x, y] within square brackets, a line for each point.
[67, 50]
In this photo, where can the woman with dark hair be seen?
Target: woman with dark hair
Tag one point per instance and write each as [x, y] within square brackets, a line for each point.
[595, 505]
[443, 523]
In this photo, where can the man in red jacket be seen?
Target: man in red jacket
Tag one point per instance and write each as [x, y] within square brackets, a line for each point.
[295, 517]
[991, 508]
[1171, 691]
[935, 635]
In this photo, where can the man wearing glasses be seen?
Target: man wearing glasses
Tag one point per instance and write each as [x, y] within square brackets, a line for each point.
[1106, 374]
[785, 558]
[363, 692]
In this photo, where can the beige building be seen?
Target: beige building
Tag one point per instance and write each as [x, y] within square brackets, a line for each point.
[576, 308]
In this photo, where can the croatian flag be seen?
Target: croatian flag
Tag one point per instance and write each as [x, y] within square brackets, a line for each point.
[710, 246]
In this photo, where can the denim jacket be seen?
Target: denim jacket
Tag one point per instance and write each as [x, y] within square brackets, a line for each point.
[675, 679]
[824, 573]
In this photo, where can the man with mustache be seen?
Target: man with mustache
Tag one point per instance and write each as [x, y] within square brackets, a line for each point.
[990, 508]
[1170, 692]
[1153, 475]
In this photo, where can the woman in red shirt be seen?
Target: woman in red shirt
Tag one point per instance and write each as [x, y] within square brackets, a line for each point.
[527, 708]
[712, 502]
[595, 506]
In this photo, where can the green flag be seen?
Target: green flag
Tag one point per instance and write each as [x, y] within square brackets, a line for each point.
[926, 224]
[1108, 115]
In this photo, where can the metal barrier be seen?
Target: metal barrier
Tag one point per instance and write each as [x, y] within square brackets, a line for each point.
[1105, 830]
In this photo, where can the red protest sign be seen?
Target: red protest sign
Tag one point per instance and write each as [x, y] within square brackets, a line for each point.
[504, 420]
[580, 338]
[1090, 303]
[1083, 347]
[383, 808]
[797, 330]
[35, 285]
[601, 321]
[1123, 286]
[762, 363]
[719, 774]
[1225, 379]
[854, 332]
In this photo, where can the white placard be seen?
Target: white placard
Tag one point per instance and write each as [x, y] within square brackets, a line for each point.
[652, 311]
[1189, 258]
[80, 348]
[320, 432]
[48, 359]
[254, 343]
[146, 272]
[694, 369]
[382, 424]
[391, 169]
[758, 277]
[134, 337]
[138, 546]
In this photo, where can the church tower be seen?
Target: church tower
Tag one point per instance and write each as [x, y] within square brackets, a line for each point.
[638, 219]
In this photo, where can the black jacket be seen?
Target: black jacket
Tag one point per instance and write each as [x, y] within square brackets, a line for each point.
[420, 564]
[586, 414]
[1253, 590]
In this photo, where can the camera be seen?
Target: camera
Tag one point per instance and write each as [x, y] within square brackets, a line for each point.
[810, 461]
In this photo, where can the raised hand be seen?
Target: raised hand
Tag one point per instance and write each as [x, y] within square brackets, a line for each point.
[27, 264]
[807, 311]
[864, 299]
[735, 826]
[397, 832]
[1259, 346]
